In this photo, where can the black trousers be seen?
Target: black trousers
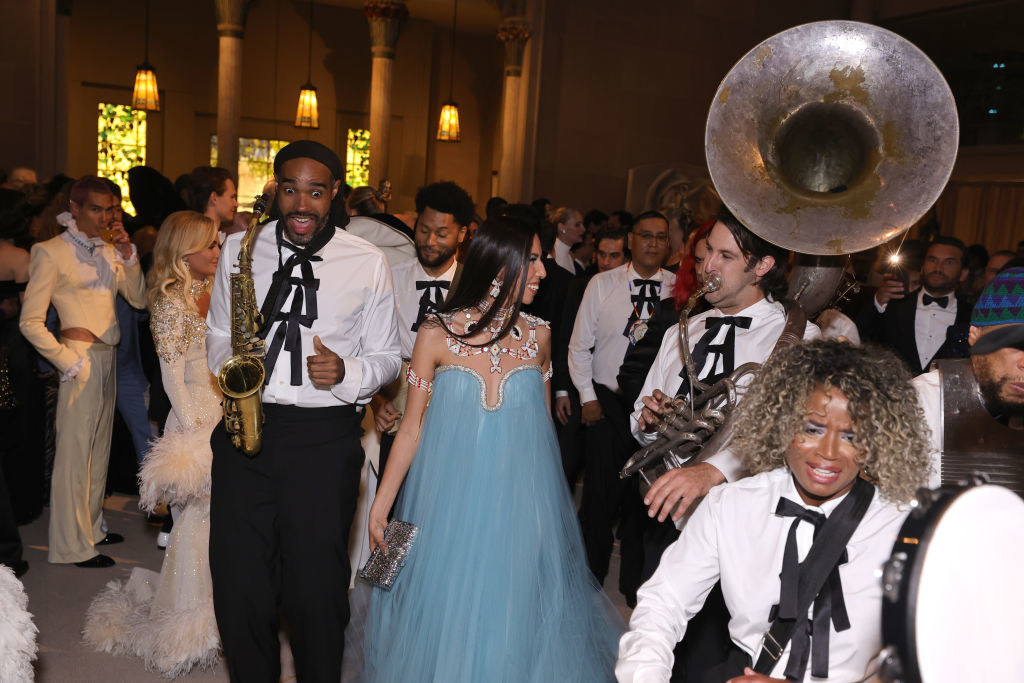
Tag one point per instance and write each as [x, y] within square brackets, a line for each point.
[571, 441]
[606, 498]
[10, 540]
[279, 527]
[386, 442]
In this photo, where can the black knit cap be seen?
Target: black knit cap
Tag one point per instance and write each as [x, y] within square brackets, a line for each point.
[309, 149]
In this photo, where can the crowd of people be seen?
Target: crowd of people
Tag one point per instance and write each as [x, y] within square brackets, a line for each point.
[497, 371]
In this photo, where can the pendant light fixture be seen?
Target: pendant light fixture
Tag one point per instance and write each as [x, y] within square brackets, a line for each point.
[144, 94]
[307, 115]
[448, 127]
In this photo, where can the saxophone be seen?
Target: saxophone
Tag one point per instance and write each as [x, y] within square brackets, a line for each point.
[241, 377]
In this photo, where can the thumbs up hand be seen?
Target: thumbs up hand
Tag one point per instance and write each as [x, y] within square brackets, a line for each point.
[326, 368]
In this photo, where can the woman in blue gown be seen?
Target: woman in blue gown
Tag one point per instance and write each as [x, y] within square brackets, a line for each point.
[496, 587]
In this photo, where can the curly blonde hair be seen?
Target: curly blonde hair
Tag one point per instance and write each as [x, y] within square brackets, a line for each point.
[181, 234]
[891, 435]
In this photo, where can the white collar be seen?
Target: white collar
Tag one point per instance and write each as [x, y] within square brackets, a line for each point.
[790, 491]
[78, 237]
[759, 308]
[657, 277]
[446, 275]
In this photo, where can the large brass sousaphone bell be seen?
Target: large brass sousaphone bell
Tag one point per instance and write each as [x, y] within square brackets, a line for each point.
[831, 137]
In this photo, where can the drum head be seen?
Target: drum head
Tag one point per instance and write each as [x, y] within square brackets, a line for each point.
[969, 617]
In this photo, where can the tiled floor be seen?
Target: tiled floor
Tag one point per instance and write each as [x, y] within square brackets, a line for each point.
[60, 594]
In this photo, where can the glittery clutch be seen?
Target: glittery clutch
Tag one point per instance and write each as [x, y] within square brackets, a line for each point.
[382, 568]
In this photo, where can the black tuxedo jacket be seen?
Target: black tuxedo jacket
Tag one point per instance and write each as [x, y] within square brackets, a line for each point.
[895, 329]
[548, 305]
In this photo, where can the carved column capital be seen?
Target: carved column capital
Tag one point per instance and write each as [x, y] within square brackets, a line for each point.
[385, 18]
[514, 32]
[231, 17]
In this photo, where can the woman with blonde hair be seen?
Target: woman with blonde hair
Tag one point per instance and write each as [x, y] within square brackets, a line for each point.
[835, 441]
[168, 619]
[569, 231]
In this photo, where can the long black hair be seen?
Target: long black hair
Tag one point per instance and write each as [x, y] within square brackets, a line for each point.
[500, 243]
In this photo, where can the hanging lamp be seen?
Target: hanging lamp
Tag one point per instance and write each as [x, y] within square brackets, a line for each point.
[307, 115]
[144, 94]
[448, 129]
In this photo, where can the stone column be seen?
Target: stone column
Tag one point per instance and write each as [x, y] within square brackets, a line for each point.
[385, 18]
[514, 33]
[231, 29]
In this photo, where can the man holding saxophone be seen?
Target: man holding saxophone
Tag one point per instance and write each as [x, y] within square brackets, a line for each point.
[279, 520]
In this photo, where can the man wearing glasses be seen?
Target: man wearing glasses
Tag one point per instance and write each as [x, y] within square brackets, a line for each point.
[612, 317]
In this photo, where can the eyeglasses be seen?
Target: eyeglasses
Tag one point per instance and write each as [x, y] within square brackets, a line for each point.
[652, 236]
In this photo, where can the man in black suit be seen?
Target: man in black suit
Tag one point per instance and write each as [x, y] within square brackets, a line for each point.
[929, 323]
[612, 251]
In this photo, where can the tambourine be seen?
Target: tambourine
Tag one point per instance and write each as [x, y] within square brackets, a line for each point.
[953, 596]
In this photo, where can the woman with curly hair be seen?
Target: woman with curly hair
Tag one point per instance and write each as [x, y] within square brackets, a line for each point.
[168, 619]
[823, 425]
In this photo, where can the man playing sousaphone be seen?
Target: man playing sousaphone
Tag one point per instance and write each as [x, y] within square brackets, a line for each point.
[743, 325]
[833, 456]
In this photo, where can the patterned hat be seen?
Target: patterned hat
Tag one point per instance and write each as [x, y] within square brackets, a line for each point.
[1002, 300]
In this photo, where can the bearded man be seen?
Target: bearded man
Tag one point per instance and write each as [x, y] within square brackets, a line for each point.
[975, 406]
[444, 210]
[279, 521]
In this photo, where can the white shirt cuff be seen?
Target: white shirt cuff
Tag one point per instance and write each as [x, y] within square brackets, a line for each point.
[728, 463]
[73, 369]
[560, 393]
[587, 394]
[347, 390]
[131, 260]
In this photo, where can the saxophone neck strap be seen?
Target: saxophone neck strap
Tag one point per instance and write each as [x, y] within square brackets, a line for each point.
[825, 554]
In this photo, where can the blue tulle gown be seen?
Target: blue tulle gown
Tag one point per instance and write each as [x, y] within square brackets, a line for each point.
[496, 588]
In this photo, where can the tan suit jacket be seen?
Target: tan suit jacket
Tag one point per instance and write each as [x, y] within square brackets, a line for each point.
[54, 278]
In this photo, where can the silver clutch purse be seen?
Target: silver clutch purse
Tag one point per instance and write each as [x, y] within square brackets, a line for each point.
[382, 568]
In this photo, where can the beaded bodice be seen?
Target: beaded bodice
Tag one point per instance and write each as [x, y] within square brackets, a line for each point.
[520, 345]
[175, 325]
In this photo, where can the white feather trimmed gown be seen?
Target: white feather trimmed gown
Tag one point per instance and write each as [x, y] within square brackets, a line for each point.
[167, 618]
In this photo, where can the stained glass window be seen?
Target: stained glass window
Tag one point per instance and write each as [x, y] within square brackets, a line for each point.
[357, 157]
[255, 166]
[121, 144]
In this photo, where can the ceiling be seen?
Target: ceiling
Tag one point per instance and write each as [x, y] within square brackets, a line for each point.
[477, 16]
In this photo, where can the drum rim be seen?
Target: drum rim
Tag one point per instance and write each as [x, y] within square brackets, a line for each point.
[899, 610]
[899, 620]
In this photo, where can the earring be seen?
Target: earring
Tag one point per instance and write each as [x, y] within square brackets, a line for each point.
[495, 288]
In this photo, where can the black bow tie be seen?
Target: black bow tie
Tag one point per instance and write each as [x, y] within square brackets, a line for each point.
[704, 347]
[305, 287]
[430, 299]
[648, 292]
[712, 324]
[942, 301]
[829, 605]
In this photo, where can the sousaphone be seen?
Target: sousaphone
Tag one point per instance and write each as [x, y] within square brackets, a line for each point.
[832, 137]
[826, 139]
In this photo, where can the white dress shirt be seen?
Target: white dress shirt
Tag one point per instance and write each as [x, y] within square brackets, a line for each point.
[751, 345]
[407, 297]
[598, 345]
[930, 325]
[562, 253]
[736, 536]
[356, 318]
[929, 396]
[835, 324]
